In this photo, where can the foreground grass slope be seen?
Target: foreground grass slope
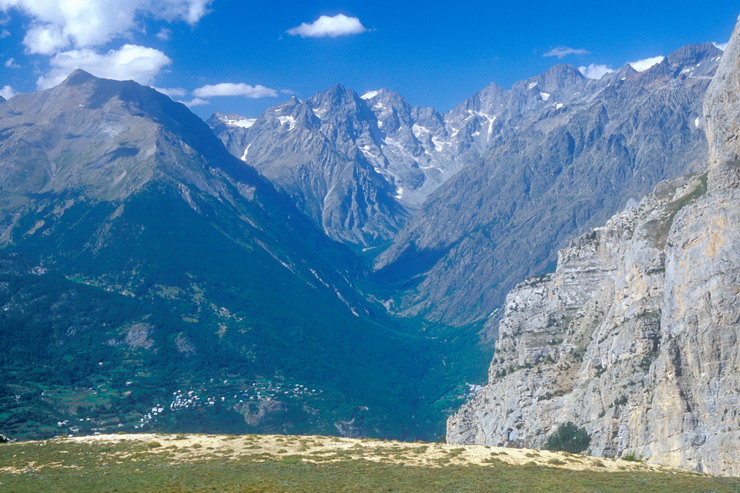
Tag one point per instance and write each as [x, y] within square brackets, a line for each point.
[249, 463]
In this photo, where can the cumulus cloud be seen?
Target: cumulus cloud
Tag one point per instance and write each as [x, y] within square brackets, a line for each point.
[642, 65]
[7, 92]
[174, 92]
[564, 51]
[71, 32]
[326, 26]
[721, 46]
[235, 89]
[56, 26]
[10, 63]
[595, 71]
[133, 62]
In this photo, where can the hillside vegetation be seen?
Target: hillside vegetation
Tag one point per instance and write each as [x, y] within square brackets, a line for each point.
[248, 463]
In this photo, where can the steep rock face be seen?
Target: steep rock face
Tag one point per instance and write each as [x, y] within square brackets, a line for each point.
[560, 154]
[635, 336]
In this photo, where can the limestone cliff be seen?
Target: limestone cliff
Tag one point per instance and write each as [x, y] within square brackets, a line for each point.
[635, 336]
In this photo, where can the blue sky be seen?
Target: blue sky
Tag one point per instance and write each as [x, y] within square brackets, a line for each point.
[434, 54]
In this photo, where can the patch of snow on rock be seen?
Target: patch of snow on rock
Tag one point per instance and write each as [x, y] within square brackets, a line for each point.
[243, 123]
[287, 120]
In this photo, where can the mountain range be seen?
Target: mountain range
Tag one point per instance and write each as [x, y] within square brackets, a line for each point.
[477, 199]
[337, 265]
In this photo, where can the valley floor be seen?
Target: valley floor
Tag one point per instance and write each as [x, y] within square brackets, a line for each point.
[250, 463]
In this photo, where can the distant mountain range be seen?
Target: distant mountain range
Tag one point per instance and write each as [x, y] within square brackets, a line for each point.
[481, 197]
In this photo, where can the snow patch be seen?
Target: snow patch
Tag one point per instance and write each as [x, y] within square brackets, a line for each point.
[243, 123]
[490, 119]
[697, 122]
[287, 120]
[319, 113]
[545, 96]
[246, 151]
[366, 151]
[419, 131]
[369, 95]
[439, 144]
[559, 105]
[532, 85]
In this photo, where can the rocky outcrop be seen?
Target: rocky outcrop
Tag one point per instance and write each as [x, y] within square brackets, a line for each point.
[635, 336]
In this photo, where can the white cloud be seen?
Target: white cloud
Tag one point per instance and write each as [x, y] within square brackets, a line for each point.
[174, 92]
[721, 46]
[164, 34]
[642, 65]
[235, 89]
[595, 71]
[4, 33]
[59, 25]
[325, 26]
[10, 63]
[195, 102]
[134, 62]
[563, 51]
[7, 92]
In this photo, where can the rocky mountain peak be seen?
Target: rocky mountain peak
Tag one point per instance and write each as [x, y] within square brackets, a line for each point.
[337, 96]
[78, 77]
[623, 73]
[117, 131]
[490, 99]
[562, 79]
[559, 77]
[693, 54]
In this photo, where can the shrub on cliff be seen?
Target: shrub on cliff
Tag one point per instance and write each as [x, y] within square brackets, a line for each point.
[569, 438]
